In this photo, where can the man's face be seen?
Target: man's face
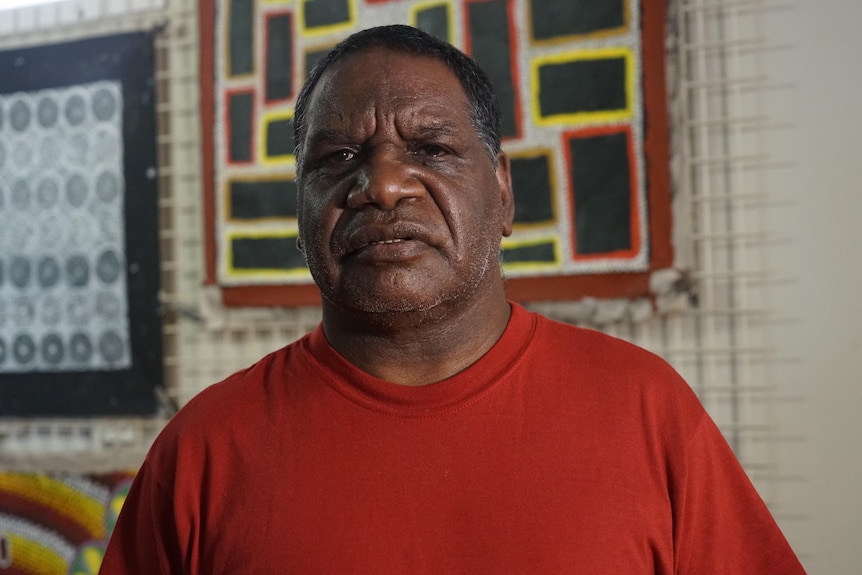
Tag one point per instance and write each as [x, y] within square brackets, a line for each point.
[400, 206]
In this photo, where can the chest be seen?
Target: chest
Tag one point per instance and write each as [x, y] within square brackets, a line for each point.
[509, 495]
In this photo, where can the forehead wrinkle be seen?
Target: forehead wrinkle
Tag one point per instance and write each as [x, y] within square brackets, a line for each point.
[329, 118]
[394, 103]
[332, 123]
[427, 121]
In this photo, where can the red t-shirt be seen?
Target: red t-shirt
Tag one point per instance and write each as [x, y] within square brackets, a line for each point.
[562, 450]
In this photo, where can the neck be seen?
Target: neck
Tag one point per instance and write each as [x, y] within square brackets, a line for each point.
[417, 348]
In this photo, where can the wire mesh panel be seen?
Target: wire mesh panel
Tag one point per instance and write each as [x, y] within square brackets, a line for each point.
[721, 345]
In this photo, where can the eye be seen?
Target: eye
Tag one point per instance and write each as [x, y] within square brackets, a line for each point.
[341, 155]
[431, 149]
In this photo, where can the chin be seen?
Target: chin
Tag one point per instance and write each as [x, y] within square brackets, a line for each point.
[375, 302]
[425, 294]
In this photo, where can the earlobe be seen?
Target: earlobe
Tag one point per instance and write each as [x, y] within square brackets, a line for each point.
[507, 197]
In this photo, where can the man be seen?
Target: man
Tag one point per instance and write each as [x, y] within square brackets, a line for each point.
[429, 425]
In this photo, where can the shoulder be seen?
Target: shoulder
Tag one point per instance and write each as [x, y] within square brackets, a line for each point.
[609, 371]
[239, 390]
[239, 405]
[595, 350]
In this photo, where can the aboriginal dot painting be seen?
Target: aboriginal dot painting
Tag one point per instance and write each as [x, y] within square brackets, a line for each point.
[58, 523]
[63, 304]
[581, 86]
[79, 326]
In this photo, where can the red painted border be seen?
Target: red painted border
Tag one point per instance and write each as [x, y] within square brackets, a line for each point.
[634, 208]
[513, 59]
[252, 136]
[206, 23]
[656, 150]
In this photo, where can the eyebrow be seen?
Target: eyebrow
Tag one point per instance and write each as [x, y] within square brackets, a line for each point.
[437, 128]
[326, 135]
[432, 129]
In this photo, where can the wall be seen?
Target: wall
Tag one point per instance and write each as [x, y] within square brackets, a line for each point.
[817, 222]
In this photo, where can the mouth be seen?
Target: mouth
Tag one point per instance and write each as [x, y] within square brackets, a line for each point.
[378, 246]
[395, 241]
[385, 241]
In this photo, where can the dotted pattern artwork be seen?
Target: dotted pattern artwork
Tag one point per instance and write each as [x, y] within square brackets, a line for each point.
[63, 303]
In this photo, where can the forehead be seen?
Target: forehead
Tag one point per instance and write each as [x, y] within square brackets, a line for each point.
[381, 79]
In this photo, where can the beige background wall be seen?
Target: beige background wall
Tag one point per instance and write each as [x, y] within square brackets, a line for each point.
[819, 255]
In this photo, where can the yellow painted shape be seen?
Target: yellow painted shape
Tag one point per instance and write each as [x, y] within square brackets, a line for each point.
[225, 33]
[421, 6]
[92, 559]
[267, 273]
[515, 242]
[263, 139]
[33, 557]
[595, 35]
[59, 496]
[324, 30]
[600, 117]
[226, 198]
[552, 182]
[117, 504]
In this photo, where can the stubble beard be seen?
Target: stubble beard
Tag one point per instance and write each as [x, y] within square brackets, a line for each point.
[354, 298]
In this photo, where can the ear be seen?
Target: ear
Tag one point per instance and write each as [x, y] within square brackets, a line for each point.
[507, 197]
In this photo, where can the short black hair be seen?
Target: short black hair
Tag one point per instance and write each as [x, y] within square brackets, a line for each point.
[484, 104]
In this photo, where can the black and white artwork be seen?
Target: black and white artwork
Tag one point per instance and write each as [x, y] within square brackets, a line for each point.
[80, 324]
[63, 298]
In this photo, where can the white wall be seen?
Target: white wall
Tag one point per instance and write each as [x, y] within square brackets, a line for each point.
[822, 301]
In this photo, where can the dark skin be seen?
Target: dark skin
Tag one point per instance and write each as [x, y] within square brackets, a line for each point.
[401, 212]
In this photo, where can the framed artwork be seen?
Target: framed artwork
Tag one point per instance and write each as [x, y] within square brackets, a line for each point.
[80, 331]
[582, 89]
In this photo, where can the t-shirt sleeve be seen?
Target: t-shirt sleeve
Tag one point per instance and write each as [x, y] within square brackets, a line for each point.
[145, 538]
[721, 525]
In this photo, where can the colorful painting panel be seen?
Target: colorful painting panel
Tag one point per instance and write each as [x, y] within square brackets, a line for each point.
[590, 67]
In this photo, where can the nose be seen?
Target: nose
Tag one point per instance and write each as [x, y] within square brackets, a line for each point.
[387, 176]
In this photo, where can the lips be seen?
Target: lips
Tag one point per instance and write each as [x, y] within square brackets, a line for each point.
[385, 235]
